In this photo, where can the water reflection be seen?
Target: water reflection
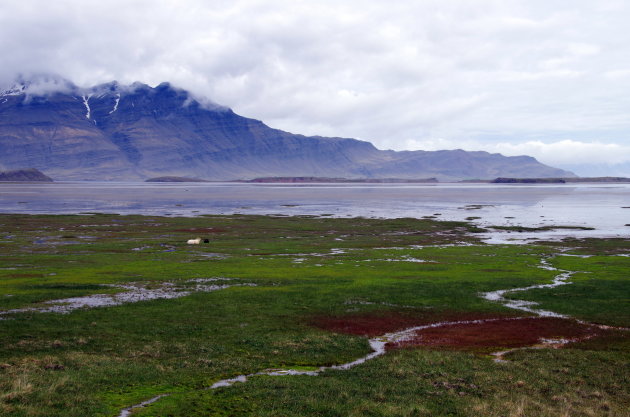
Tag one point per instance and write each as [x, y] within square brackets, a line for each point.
[531, 205]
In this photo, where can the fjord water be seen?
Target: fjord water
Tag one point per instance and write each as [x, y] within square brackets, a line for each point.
[600, 206]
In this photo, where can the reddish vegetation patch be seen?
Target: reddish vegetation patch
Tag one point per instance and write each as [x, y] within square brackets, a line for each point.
[379, 323]
[502, 333]
[365, 324]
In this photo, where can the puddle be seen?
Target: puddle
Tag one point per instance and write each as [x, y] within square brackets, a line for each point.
[127, 411]
[383, 303]
[133, 292]
[213, 255]
[516, 237]
[408, 258]
[53, 242]
[301, 257]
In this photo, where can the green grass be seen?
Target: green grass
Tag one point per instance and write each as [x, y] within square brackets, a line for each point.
[599, 291]
[95, 362]
[426, 383]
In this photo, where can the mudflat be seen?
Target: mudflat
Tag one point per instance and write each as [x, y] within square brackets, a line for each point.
[592, 209]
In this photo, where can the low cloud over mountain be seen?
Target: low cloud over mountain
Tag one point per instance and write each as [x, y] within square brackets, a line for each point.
[116, 132]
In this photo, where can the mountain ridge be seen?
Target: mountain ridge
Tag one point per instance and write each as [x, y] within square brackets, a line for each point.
[24, 175]
[115, 132]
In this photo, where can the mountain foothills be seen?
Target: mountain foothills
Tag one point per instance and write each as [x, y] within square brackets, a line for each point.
[135, 132]
[27, 175]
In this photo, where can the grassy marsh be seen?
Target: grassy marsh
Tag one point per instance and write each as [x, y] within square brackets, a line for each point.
[95, 362]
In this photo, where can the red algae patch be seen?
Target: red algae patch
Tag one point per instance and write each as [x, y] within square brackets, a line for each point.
[500, 333]
[379, 323]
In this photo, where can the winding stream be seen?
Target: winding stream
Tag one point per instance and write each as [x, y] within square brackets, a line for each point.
[528, 306]
[133, 292]
[378, 344]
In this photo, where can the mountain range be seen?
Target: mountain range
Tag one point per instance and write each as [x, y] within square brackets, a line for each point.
[134, 132]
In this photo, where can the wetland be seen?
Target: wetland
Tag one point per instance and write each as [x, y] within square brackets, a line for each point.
[307, 315]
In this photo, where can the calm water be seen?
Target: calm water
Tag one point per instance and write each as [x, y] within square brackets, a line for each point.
[593, 205]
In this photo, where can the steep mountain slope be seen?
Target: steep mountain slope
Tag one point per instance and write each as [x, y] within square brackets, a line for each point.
[115, 132]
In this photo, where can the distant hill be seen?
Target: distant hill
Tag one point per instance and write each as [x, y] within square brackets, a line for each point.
[559, 180]
[174, 179]
[31, 175]
[529, 181]
[136, 132]
[338, 180]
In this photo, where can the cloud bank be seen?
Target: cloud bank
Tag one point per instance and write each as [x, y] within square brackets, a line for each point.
[546, 78]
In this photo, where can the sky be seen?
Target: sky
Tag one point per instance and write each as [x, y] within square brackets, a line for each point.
[550, 79]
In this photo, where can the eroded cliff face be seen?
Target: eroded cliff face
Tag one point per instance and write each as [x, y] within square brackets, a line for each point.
[115, 132]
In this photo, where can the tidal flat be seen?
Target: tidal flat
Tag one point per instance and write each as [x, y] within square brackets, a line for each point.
[307, 316]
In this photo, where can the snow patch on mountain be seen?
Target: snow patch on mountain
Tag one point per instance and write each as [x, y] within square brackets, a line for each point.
[116, 103]
[86, 102]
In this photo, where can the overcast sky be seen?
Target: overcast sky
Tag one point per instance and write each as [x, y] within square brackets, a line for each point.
[546, 78]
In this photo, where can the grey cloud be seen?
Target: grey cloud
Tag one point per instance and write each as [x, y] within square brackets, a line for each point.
[388, 73]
